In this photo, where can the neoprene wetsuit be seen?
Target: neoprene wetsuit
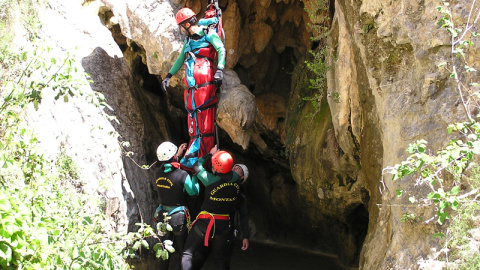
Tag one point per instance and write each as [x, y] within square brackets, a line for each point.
[211, 228]
[171, 182]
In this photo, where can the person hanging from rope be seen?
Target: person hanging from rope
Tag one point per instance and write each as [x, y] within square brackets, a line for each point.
[212, 226]
[201, 48]
[172, 182]
[238, 219]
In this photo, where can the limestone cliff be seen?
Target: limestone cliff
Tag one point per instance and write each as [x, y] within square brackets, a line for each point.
[315, 160]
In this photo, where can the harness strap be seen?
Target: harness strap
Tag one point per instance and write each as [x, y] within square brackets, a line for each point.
[171, 210]
[202, 107]
[204, 57]
[202, 135]
[191, 155]
[176, 209]
[193, 54]
[211, 223]
[196, 86]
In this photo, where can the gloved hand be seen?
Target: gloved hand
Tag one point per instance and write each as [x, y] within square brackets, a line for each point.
[166, 82]
[218, 77]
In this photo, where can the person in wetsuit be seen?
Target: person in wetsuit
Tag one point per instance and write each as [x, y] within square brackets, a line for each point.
[197, 38]
[212, 226]
[238, 219]
[239, 215]
[171, 182]
[201, 49]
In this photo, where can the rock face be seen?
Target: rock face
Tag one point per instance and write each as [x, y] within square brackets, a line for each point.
[315, 159]
[79, 129]
[391, 92]
[236, 110]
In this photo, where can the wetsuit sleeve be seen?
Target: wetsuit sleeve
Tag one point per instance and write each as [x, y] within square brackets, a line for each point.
[191, 185]
[217, 43]
[243, 213]
[179, 62]
[203, 175]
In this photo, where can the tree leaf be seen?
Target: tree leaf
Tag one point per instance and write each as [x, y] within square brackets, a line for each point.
[137, 245]
[145, 244]
[455, 190]
[170, 249]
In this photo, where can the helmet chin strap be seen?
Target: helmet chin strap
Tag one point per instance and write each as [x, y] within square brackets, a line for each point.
[186, 28]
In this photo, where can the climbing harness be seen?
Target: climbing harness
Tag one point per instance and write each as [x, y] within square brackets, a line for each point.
[170, 211]
[211, 224]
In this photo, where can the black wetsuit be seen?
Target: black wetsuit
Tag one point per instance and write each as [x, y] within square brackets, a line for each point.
[239, 215]
[241, 210]
[212, 226]
[171, 182]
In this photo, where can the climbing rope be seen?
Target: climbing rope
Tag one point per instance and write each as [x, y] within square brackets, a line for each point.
[130, 153]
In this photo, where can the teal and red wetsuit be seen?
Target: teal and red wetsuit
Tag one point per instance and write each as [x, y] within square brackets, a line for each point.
[199, 53]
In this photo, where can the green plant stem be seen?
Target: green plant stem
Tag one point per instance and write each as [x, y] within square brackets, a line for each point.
[73, 260]
[5, 104]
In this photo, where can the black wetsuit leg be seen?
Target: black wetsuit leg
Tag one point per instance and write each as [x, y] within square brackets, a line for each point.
[178, 237]
[230, 247]
[220, 245]
[195, 243]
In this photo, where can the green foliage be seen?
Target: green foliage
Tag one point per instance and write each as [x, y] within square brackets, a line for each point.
[318, 68]
[317, 63]
[66, 166]
[47, 221]
[463, 227]
[432, 169]
[459, 67]
[16, 15]
[162, 249]
[456, 161]
[318, 14]
[410, 217]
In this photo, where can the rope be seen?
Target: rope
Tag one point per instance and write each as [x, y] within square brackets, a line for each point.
[129, 153]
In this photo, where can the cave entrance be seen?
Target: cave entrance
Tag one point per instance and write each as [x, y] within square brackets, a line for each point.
[267, 72]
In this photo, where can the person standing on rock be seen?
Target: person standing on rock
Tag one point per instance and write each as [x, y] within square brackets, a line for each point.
[172, 182]
[211, 228]
[201, 48]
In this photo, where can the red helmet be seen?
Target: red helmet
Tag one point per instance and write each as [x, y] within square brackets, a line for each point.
[222, 162]
[184, 14]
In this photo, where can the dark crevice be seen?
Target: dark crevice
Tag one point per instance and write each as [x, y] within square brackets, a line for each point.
[331, 8]
[357, 217]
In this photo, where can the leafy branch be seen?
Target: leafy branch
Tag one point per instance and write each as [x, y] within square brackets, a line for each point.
[459, 47]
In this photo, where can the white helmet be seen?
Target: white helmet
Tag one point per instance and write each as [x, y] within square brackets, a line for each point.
[166, 151]
[244, 169]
